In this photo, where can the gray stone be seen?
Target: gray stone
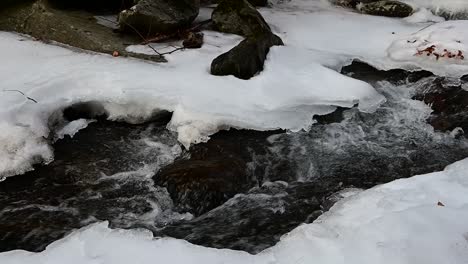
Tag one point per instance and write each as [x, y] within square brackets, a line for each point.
[158, 16]
[246, 59]
[239, 17]
[74, 28]
[386, 8]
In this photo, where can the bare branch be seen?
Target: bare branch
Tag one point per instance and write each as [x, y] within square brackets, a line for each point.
[27, 97]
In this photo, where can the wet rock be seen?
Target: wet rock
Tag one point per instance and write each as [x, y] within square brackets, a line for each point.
[246, 59]
[93, 5]
[239, 17]
[386, 8]
[449, 102]
[256, 220]
[193, 40]
[363, 71]
[150, 17]
[75, 28]
[214, 172]
[197, 186]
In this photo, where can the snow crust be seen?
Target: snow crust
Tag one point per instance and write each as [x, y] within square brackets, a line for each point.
[72, 128]
[299, 79]
[286, 95]
[440, 5]
[422, 219]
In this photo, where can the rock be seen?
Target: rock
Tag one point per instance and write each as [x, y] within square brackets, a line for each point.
[150, 17]
[252, 2]
[239, 17]
[388, 8]
[197, 186]
[352, 3]
[92, 5]
[449, 104]
[11, 3]
[193, 40]
[256, 220]
[246, 59]
[77, 29]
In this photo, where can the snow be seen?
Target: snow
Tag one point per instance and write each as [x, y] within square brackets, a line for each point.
[72, 128]
[440, 5]
[298, 82]
[398, 222]
[423, 15]
[133, 91]
[439, 47]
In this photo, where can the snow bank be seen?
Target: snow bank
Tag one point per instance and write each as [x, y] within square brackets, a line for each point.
[399, 222]
[439, 48]
[286, 95]
[441, 6]
[297, 82]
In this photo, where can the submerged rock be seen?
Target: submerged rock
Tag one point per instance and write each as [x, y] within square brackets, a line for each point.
[158, 16]
[197, 186]
[246, 59]
[449, 102]
[239, 17]
[388, 8]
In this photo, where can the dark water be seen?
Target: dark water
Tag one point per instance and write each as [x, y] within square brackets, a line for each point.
[241, 190]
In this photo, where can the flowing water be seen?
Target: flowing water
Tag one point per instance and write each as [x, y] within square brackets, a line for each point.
[111, 171]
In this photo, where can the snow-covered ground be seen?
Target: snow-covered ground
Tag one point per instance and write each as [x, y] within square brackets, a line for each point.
[399, 222]
[423, 219]
[296, 84]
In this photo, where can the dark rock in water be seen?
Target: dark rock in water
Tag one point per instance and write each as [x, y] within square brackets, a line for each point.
[75, 28]
[363, 71]
[449, 102]
[388, 8]
[239, 17]
[255, 217]
[246, 59]
[92, 5]
[149, 17]
[215, 172]
[193, 40]
[197, 186]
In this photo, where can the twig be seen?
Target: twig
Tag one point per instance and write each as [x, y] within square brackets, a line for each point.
[172, 51]
[160, 38]
[134, 29]
[27, 97]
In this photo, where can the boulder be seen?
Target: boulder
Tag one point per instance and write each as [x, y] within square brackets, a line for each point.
[11, 3]
[239, 17]
[197, 186]
[92, 5]
[77, 29]
[193, 40]
[252, 2]
[388, 8]
[158, 16]
[246, 59]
